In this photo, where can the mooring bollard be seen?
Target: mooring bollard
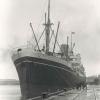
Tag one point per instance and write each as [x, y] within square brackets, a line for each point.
[44, 95]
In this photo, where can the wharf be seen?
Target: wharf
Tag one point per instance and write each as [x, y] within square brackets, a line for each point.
[92, 93]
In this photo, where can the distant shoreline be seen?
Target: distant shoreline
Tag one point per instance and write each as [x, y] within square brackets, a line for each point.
[9, 82]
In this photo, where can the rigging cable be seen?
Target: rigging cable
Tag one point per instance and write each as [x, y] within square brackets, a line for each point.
[34, 36]
[54, 37]
[40, 38]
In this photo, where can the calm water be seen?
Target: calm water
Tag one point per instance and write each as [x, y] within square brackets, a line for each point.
[10, 92]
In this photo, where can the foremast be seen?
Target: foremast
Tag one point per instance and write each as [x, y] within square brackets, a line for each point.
[47, 28]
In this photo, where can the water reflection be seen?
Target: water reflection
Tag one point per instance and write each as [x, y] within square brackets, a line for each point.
[10, 92]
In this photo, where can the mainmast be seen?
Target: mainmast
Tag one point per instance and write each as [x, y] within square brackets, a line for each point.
[47, 28]
[67, 49]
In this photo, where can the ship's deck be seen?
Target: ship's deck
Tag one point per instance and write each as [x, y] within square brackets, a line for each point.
[92, 93]
[28, 52]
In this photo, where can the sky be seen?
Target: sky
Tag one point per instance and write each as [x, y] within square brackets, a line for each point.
[79, 16]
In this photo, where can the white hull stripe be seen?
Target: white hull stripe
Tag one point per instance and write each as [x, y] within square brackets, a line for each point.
[43, 64]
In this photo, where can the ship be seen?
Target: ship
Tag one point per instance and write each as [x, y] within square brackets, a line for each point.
[43, 73]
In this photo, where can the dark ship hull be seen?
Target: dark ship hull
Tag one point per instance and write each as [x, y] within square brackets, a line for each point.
[39, 73]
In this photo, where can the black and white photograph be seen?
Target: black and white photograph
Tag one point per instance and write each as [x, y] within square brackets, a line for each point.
[49, 50]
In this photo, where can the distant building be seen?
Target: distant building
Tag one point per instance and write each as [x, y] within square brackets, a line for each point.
[99, 76]
[90, 79]
[93, 80]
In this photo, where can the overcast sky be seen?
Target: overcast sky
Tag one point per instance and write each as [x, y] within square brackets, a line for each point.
[79, 16]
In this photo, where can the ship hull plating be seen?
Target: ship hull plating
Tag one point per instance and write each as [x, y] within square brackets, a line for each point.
[38, 76]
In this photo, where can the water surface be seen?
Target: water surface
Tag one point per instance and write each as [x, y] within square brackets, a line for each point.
[10, 92]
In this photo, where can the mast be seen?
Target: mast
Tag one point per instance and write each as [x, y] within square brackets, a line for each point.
[67, 48]
[49, 11]
[47, 26]
[72, 33]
